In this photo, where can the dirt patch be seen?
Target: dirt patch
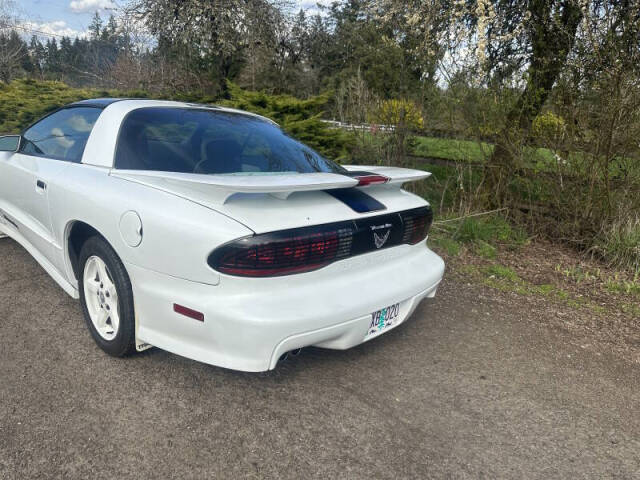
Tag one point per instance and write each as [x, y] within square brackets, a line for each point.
[599, 305]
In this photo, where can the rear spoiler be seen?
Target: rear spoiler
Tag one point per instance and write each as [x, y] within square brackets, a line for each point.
[222, 187]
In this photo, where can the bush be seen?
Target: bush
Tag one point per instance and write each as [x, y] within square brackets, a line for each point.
[300, 118]
[24, 101]
[548, 127]
[400, 113]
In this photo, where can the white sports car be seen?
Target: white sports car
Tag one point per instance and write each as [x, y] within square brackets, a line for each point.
[210, 233]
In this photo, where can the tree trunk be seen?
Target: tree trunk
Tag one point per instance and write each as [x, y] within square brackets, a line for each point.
[553, 30]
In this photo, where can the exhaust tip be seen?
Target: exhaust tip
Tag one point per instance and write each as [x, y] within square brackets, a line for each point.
[290, 354]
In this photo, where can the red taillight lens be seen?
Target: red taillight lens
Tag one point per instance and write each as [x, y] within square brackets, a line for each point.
[309, 248]
[416, 225]
[364, 180]
[283, 253]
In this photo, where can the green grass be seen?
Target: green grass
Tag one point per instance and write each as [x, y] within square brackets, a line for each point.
[578, 274]
[506, 279]
[469, 151]
[503, 273]
[627, 287]
[446, 244]
[620, 244]
[485, 249]
[490, 229]
[481, 235]
[451, 149]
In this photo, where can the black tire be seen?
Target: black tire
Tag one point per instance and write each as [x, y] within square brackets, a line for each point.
[124, 342]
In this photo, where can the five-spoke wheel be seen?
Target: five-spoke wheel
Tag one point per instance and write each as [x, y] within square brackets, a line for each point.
[102, 298]
[107, 297]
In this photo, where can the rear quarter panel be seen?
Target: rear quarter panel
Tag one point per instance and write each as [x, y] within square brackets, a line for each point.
[178, 235]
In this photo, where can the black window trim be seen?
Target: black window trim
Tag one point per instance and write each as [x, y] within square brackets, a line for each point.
[44, 117]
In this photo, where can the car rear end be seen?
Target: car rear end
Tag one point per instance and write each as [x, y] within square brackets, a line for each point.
[332, 285]
[321, 255]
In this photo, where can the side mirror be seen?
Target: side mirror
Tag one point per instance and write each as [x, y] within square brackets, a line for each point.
[10, 143]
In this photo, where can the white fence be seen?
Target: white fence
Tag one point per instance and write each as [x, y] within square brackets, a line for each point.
[367, 127]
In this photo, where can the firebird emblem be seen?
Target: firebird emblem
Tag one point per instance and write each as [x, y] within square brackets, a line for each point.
[380, 240]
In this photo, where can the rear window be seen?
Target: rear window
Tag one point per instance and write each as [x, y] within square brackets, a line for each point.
[189, 140]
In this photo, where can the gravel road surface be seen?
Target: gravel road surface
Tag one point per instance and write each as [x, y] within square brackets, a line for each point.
[475, 385]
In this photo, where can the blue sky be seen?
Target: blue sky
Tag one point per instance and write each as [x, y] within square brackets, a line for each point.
[72, 17]
[64, 17]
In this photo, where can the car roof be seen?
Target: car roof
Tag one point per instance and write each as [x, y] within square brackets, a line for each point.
[98, 102]
[147, 102]
[100, 148]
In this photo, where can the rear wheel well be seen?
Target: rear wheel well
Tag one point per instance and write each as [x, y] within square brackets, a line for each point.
[80, 232]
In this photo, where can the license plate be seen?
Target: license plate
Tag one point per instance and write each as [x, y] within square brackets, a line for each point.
[382, 320]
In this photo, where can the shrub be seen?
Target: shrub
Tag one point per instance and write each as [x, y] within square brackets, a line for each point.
[548, 127]
[24, 101]
[400, 113]
[300, 118]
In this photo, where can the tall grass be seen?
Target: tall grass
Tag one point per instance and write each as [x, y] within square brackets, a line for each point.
[619, 243]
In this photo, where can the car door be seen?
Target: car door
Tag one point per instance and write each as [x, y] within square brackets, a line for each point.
[46, 148]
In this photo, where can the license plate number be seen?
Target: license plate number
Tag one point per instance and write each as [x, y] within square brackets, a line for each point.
[382, 320]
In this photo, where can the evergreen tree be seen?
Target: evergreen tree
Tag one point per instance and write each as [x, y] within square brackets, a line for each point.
[95, 28]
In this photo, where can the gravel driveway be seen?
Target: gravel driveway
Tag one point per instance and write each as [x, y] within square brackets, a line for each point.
[473, 386]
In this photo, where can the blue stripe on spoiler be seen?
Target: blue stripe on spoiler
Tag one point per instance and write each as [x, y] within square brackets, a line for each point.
[356, 199]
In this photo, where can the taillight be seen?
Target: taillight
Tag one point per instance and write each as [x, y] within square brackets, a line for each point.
[305, 249]
[285, 252]
[416, 225]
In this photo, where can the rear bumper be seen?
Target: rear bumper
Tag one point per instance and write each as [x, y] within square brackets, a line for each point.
[250, 323]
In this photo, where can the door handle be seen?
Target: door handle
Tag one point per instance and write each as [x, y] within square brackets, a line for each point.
[40, 185]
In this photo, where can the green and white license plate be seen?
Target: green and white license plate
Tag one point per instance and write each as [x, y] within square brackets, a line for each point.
[382, 320]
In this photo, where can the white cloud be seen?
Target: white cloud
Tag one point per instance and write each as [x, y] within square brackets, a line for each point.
[311, 6]
[89, 6]
[313, 3]
[57, 27]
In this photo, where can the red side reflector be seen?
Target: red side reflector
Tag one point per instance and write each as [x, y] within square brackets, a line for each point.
[365, 180]
[187, 312]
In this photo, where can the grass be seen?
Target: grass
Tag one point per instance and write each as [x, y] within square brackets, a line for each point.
[613, 284]
[451, 149]
[482, 235]
[446, 244]
[470, 151]
[506, 279]
[627, 287]
[620, 244]
[631, 308]
[578, 274]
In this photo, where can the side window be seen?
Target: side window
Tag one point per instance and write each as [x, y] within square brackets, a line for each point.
[62, 135]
